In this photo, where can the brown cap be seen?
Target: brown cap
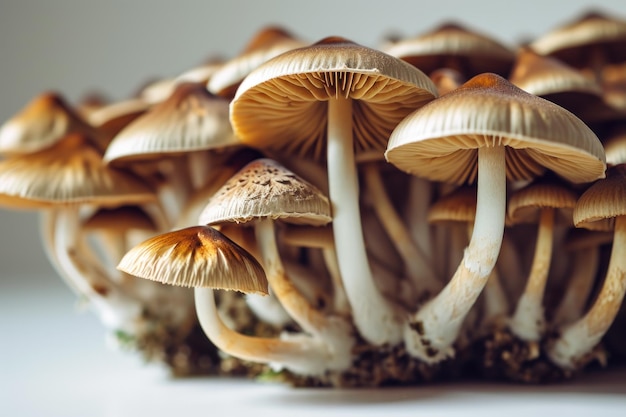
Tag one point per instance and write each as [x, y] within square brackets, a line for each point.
[266, 44]
[43, 122]
[283, 103]
[266, 189]
[70, 172]
[198, 256]
[454, 46]
[603, 201]
[440, 140]
[525, 204]
[191, 119]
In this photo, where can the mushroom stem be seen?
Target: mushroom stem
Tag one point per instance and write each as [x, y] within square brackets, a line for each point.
[580, 337]
[431, 332]
[116, 310]
[302, 354]
[528, 321]
[333, 331]
[418, 203]
[420, 272]
[585, 264]
[374, 316]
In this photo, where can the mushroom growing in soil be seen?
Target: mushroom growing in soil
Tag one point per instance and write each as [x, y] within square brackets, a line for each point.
[261, 193]
[346, 98]
[486, 130]
[203, 258]
[601, 207]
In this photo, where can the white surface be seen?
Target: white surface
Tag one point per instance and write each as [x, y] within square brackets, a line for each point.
[54, 362]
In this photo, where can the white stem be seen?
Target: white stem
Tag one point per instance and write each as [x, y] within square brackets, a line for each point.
[432, 331]
[374, 316]
[580, 337]
[303, 355]
[417, 266]
[528, 321]
[116, 310]
[585, 263]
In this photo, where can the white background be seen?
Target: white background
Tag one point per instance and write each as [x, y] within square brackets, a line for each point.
[53, 360]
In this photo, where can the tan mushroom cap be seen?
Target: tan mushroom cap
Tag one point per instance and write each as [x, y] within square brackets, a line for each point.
[191, 119]
[40, 124]
[525, 205]
[440, 140]
[459, 206]
[198, 256]
[453, 46]
[266, 189]
[112, 118]
[603, 201]
[561, 84]
[570, 42]
[283, 103]
[269, 42]
[120, 218]
[70, 172]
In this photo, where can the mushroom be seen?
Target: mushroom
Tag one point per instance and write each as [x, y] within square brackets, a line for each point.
[264, 191]
[548, 203]
[457, 47]
[488, 129]
[267, 43]
[601, 207]
[62, 179]
[40, 124]
[203, 258]
[349, 98]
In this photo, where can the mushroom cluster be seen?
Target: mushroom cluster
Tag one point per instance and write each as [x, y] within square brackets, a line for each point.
[332, 214]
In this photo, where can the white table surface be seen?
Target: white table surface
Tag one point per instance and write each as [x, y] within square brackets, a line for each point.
[54, 362]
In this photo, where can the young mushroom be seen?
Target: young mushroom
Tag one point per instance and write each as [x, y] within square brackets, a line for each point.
[261, 193]
[486, 130]
[203, 258]
[601, 207]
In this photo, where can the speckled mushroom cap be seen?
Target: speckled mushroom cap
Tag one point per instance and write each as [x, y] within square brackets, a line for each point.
[525, 204]
[603, 201]
[266, 189]
[198, 256]
[191, 119]
[265, 45]
[40, 124]
[453, 46]
[70, 172]
[572, 42]
[283, 103]
[440, 140]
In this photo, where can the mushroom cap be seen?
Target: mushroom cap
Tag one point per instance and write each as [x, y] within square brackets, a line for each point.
[525, 204]
[283, 103]
[603, 201]
[112, 118]
[615, 146]
[571, 42]
[453, 45]
[561, 84]
[40, 124]
[120, 218]
[265, 45]
[70, 172]
[265, 189]
[191, 119]
[440, 140]
[458, 206]
[198, 256]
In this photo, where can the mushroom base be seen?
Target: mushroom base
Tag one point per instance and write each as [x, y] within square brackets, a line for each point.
[502, 356]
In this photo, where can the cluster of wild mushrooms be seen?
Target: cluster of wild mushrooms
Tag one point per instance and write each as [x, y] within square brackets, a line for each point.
[438, 206]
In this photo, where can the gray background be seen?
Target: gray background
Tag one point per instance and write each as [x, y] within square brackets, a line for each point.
[114, 46]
